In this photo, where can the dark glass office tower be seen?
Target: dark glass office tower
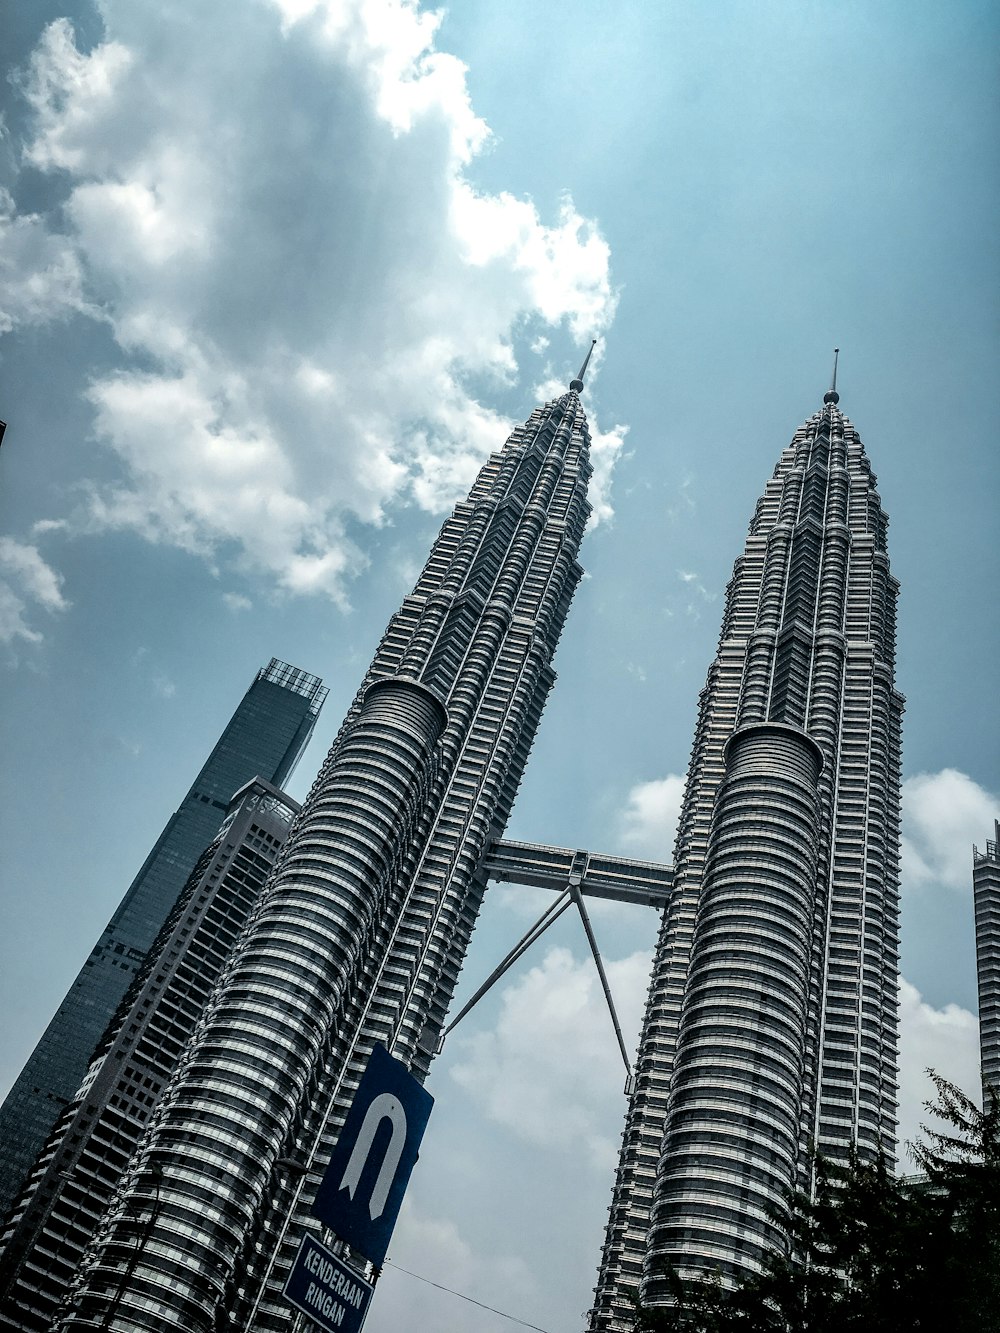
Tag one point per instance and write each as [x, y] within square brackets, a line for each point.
[76, 1175]
[360, 934]
[771, 1024]
[264, 738]
[986, 887]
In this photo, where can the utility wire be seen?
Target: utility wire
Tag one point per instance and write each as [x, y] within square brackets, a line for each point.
[451, 1291]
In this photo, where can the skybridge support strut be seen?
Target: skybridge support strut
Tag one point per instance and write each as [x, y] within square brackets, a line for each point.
[572, 874]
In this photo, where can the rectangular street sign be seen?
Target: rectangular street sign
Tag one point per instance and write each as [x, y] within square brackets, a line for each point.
[360, 1195]
[326, 1289]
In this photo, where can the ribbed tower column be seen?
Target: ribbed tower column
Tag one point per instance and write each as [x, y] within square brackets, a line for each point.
[730, 1154]
[238, 1086]
[361, 934]
[770, 1026]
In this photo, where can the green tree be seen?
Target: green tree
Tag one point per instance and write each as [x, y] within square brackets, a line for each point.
[872, 1253]
[962, 1165]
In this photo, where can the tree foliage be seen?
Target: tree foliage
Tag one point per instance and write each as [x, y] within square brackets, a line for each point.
[874, 1253]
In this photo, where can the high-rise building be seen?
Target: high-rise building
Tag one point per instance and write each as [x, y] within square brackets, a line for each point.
[771, 1023]
[76, 1175]
[986, 890]
[264, 738]
[361, 931]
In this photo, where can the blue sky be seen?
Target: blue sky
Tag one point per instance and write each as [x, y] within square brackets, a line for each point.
[277, 275]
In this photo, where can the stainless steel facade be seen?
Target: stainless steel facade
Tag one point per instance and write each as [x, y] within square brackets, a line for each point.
[771, 1024]
[361, 932]
[986, 888]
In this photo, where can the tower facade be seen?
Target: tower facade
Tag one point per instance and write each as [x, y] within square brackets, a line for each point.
[76, 1175]
[265, 737]
[770, 1026]
[986, 890]
[360, 933]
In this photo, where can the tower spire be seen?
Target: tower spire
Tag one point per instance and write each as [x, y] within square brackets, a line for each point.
[378, 922]
[831, 395]
[577, 384]
[808, 631]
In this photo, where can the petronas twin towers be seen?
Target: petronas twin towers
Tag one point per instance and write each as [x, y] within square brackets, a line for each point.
[771, 1020]
[770, 1027]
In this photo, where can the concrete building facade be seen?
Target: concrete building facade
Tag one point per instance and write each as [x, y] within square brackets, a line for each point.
[76, 1176]
[265, 737]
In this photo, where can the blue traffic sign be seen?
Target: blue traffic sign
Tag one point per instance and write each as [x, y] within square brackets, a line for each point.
[360, 1195]
[324, 1288]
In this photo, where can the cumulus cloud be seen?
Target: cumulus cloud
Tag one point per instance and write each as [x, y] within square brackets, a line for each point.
[434, 1249]
[26, 581]
[649, 820]
[944, 814]
[271, 207]
[945, 1040]
[40, 273]
[550, 1070]
[606, 448]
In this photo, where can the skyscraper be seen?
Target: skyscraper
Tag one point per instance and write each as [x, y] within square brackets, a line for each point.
[771, 1021]
[986, 892]
[76, 1175]
[264, 737]
[361, 932]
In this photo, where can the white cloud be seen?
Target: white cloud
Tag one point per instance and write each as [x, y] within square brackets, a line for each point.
[550, 1070]
[683, 505]
[40, 271]
[163, 685]
[649, 820]
[697, 595]
[944, 814]
[270, 206]
[945, 1040]
[434, 1249]
[26, 580]
[694, 582]
[605, 450]
[236, 601]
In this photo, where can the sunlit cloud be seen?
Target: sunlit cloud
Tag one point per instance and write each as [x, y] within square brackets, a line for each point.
[550, 1070]
[944, 814]
[433, 1249]
[301, 299]
[648, 823]
[27, 583]
[945, 1040]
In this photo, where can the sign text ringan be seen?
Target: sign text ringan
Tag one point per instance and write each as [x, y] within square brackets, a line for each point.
[334, 1296]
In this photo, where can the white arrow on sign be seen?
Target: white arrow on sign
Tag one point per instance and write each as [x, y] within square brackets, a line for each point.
[383, 1107]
